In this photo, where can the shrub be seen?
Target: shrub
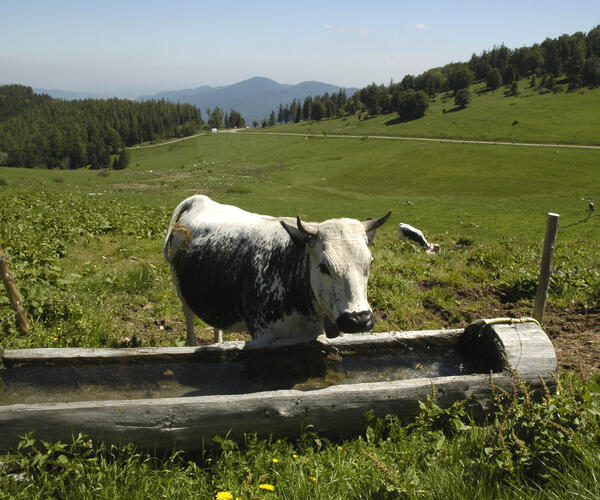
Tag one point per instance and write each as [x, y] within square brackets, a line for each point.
[411, 104]
[463, 97]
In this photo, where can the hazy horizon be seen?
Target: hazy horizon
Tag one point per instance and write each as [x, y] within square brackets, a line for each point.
[132, 48]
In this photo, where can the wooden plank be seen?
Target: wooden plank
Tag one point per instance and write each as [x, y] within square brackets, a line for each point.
[335, 411]
[232, 349]
[192, 422]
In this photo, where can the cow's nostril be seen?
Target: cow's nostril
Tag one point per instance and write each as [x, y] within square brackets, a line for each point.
[356, 322]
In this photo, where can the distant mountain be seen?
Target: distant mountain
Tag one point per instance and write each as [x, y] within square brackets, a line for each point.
[254, 98]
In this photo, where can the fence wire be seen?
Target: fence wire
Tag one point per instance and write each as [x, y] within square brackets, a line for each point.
[560, 226]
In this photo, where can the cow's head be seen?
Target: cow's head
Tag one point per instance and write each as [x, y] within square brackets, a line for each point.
[340, 261]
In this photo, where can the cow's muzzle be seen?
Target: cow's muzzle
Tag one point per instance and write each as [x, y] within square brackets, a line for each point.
[354, 322]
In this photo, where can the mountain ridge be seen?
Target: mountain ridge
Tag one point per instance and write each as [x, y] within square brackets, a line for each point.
[254, 98]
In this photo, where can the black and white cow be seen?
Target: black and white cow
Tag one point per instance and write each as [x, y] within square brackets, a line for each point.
[274, 277]
[412, 233]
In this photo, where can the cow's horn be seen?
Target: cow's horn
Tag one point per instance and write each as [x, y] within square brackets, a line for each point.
[306, 229]
[372, 224]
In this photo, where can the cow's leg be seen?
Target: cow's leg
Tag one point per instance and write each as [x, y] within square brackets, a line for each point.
[218, 334]
[190, 338]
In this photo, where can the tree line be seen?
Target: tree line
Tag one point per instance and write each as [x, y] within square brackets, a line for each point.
[38, 130]
[575, 58]
[217, 118]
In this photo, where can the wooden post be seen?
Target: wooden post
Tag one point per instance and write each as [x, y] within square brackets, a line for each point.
[13, 294]
[546, 267]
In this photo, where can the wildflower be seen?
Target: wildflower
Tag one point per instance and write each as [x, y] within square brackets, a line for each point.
[294, 456]
[313, 479]
[340, 448]
[267, 487]
[224, 495]
[275, 461]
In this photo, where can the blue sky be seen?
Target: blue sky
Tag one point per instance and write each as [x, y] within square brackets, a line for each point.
[132, 47]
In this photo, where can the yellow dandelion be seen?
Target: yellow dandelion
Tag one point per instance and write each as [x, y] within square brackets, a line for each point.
[275, 461]
[340, 448]
[313, 479]
[294, 456]
[267, 487]
[224, 495]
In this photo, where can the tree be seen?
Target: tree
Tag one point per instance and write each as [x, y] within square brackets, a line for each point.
[460, 78]
[306, 108]
[122, 161]
[411, 104]
[408, 82]
[593, 41]
[432, 82]
[576, 60]
[462, 98]
[493, 79]
[317, 109]
[591, 71]
[272, 119]
[533, 60]
[298, 114]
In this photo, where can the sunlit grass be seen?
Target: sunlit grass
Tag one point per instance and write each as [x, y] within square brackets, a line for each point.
[541, 117]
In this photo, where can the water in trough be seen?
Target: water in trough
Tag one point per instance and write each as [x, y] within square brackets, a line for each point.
[301, 367]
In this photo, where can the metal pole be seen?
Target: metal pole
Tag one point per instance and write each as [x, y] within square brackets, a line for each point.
[546, 267]
[13, 294]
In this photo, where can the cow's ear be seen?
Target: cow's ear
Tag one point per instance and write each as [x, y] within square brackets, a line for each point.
[298, 237]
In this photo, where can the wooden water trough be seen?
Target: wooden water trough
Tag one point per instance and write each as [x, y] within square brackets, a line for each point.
[182, 397]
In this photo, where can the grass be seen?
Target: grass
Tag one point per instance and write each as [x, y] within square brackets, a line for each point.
[527, 450]
[100, 237]
[543, 117]
[86, 253]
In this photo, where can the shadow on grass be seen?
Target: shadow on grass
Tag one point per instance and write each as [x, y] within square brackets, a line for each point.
[455, 109]
[397, 120]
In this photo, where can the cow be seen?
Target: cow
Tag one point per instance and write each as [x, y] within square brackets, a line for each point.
[412, 233]
[274, 277]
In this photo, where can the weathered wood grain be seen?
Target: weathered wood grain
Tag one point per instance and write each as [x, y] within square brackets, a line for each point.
[192, 422]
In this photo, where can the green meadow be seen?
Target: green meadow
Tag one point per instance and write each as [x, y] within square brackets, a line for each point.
[85, 249]
[485, 205]
[561, 117]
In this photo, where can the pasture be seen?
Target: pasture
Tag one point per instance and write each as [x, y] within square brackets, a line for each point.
[98, 235]
[85, 248]
[561, 117]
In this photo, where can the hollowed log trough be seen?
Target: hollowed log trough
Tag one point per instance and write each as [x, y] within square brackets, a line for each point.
[161, 398]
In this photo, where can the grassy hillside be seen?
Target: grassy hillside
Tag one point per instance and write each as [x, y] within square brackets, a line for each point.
[88, 233]
[85, 248]
[561, 117]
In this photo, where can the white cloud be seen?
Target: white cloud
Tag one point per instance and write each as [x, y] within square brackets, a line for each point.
[421, 26]
[346, 29]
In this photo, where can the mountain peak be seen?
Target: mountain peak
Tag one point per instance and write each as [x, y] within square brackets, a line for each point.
[254, 98]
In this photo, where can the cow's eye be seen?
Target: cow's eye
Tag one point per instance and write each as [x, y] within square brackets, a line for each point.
[324, 269]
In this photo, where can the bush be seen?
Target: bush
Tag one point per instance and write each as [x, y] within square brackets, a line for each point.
[411, 104]
[463, 97]
[518, 288]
